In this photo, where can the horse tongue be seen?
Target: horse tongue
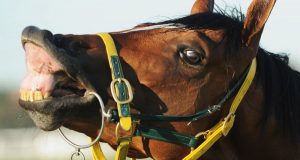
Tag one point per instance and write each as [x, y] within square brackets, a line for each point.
[40, 69]
[38, 82]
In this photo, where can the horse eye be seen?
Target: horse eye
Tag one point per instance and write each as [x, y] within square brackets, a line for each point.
[191, 56]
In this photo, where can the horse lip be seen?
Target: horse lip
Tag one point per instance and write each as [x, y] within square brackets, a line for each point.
[44, 39]
[50, 114]
[46, 122]
[46, 106]
[35, 35]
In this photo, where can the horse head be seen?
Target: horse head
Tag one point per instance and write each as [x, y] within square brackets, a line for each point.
[176, 67]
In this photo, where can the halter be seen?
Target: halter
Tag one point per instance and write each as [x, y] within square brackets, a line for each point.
[131, 124]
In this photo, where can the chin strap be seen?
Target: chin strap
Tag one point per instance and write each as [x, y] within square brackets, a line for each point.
[122, 94]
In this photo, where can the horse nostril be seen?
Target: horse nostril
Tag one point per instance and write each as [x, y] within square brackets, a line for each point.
[58, 40]
[78, 46]
[62, 42]
[75, 48]
[47, 35]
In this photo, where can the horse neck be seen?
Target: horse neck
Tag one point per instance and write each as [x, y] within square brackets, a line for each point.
[259, 131]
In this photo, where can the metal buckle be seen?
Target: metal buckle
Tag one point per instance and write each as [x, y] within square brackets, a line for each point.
[228, 123]
[114, 94]
[128, 136]
[213, 108]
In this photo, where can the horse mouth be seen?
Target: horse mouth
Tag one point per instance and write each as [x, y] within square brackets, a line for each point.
[52, 91]
[63, 86]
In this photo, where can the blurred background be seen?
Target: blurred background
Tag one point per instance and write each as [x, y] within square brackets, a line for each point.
[19, 138]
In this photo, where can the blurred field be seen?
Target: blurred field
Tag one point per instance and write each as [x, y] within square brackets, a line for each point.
[11, 115]
[34, 144]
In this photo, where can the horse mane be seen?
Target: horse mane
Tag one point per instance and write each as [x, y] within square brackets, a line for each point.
[281, 84]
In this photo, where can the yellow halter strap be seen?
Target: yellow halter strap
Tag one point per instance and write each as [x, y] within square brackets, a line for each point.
[122, 94]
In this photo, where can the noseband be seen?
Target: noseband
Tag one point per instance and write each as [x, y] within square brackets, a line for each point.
[130, 124]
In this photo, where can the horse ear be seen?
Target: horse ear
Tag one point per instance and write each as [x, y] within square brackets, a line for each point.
[201, 6]
[257, 15]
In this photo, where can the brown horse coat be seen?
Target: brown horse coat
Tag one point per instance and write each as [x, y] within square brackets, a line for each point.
[177, 67]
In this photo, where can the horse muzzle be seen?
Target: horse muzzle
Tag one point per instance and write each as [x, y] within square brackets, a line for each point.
[55, 86]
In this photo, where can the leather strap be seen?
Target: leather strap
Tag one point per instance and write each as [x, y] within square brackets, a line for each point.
[97, 153]
[121, 92]
[166, 136]
[122, 150]
[117, 76]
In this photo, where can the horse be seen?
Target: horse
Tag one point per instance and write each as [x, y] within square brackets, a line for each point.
[196, 87]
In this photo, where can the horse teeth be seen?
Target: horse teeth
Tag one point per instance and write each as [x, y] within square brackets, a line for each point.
[46, 95]
[32, 95]
[38, 95]
[23, 95]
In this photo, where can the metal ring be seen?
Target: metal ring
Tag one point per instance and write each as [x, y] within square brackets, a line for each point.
[117, 132]
[102, 106]
[114, 94]
[77, 153]
[104, 114]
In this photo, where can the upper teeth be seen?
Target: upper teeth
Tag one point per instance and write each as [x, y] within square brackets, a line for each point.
[32, 95]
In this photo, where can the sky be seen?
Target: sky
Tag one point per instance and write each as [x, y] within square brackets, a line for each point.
[281, 33]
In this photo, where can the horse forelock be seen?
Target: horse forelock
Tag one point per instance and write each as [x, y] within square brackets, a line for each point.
[221, 19]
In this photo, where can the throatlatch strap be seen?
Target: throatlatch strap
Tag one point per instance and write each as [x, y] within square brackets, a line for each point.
[224, 126]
